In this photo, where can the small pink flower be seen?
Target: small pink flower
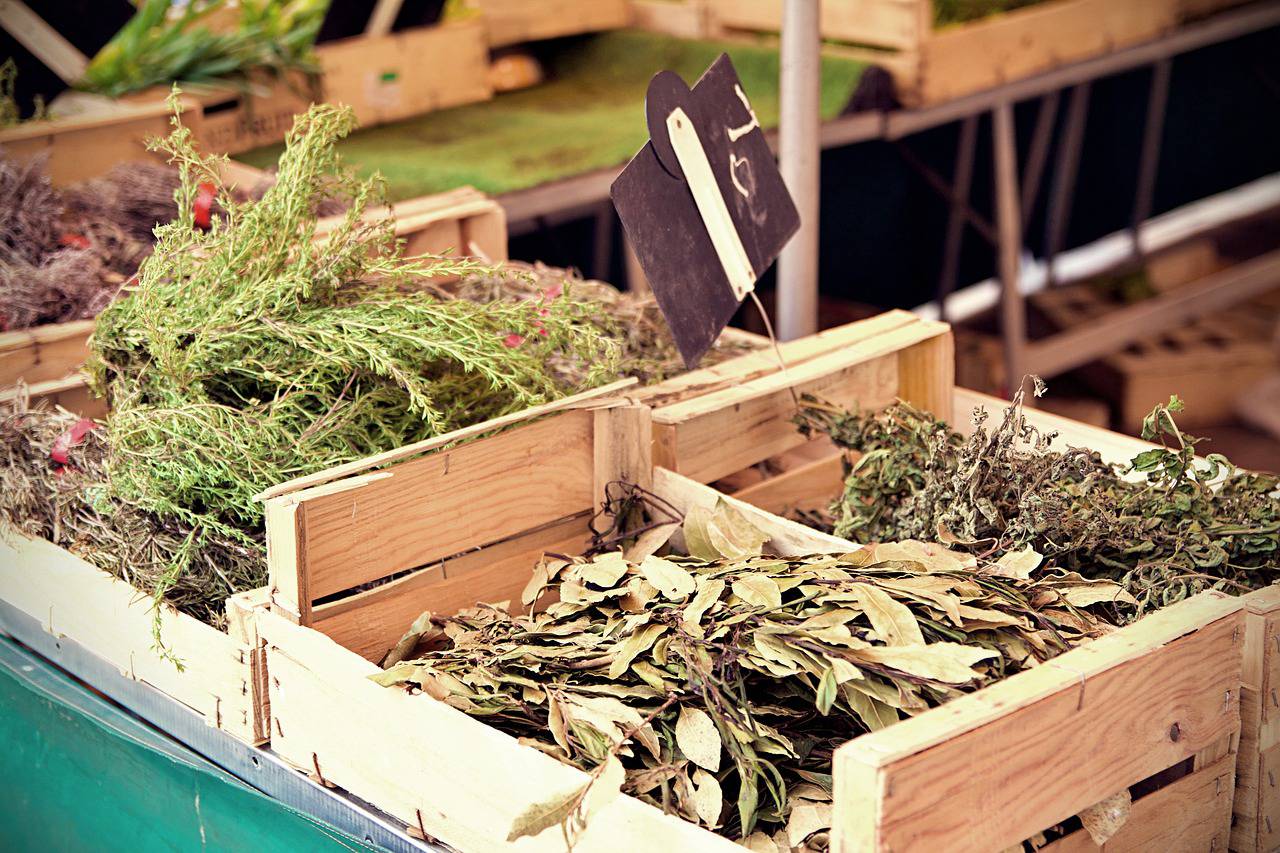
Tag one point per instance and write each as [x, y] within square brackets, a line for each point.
[544, 312]
[513, 340]
[554, 290]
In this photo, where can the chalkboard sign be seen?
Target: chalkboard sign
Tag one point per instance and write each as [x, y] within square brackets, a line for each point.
[703, 203]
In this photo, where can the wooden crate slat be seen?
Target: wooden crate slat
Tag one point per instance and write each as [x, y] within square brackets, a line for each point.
[896, 24]
[43, 353]
[967, 58]
[735, 371]
[515, 21]
[371, 622]
[1189, 814]
[718, 433]
[810, 486]
[1257, 794]
[438, 505]
[74, 599]
[924, 781]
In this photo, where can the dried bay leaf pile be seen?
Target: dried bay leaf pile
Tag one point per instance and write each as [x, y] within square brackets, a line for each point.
[718, 686]
[1166, 526]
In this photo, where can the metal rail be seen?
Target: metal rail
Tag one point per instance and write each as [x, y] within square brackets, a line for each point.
[257, 767]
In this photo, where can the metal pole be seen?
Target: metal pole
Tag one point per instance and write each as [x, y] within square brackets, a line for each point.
[798, 159]
[1013, 315]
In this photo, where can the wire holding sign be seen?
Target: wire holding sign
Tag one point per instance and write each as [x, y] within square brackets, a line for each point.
[703, 203]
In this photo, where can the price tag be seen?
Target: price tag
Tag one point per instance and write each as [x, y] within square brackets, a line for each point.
[703, 203]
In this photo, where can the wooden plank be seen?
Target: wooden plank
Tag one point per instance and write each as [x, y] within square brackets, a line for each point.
[423, 761]
[1257, 795]
[813, 485]
[971, 775]
[74, 599]
[927, 375]
[371, 622]
[735, 371]
[515, 21]
[398, 75]
[441, 504]
[725, 431]
[967, 58]
[43, 41]
[585, 399]
[1192, 813]
[892, 24]
[786, 537]
[43, 353]
[71, 393]
[622, 444]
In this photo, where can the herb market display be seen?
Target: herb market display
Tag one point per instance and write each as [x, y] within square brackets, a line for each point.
[717, 685]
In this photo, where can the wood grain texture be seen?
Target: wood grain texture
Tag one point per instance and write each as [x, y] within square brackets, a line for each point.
[1257, 797]
[423, 760]
[1034, 749]
[441, 504]
[927, 375]
[371, 622]
[709, 437]
[43, 353]
[963, 59]
[515, 21]
[892, 24]
[1192, 813]
[813, 485]
[110, 618]
[622, 445]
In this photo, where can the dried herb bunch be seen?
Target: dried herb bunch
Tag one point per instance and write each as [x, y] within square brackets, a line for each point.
[247, 354]
[1164, 526]
[65, 254]
[718, 685]
[67, 504]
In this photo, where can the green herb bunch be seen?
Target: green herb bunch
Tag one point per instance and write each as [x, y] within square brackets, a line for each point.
[248, 354]
[162, 44]
[1165, 526]
[718, 685]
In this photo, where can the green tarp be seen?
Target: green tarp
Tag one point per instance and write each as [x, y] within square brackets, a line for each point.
[78, 773]
[589, 115]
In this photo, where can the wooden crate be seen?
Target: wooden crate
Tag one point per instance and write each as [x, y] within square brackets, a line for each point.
[383, 79]
[222, 675]
[515, 21]
[1257, 801]
[1190, 361]
[931, 65]
[1255, 818]
[967, 776]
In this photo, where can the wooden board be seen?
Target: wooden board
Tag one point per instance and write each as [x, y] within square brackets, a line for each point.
[992, 768]
[514, 21]
[1257, 796]
[221, 678]
[981, 54]
[43, 353]
[383, 78]
[723, 431]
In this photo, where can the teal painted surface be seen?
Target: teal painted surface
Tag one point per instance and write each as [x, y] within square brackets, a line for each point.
[77, 773]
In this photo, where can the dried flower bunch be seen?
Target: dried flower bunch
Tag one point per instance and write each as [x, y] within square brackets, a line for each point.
[717, 685]
[1165, 526]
